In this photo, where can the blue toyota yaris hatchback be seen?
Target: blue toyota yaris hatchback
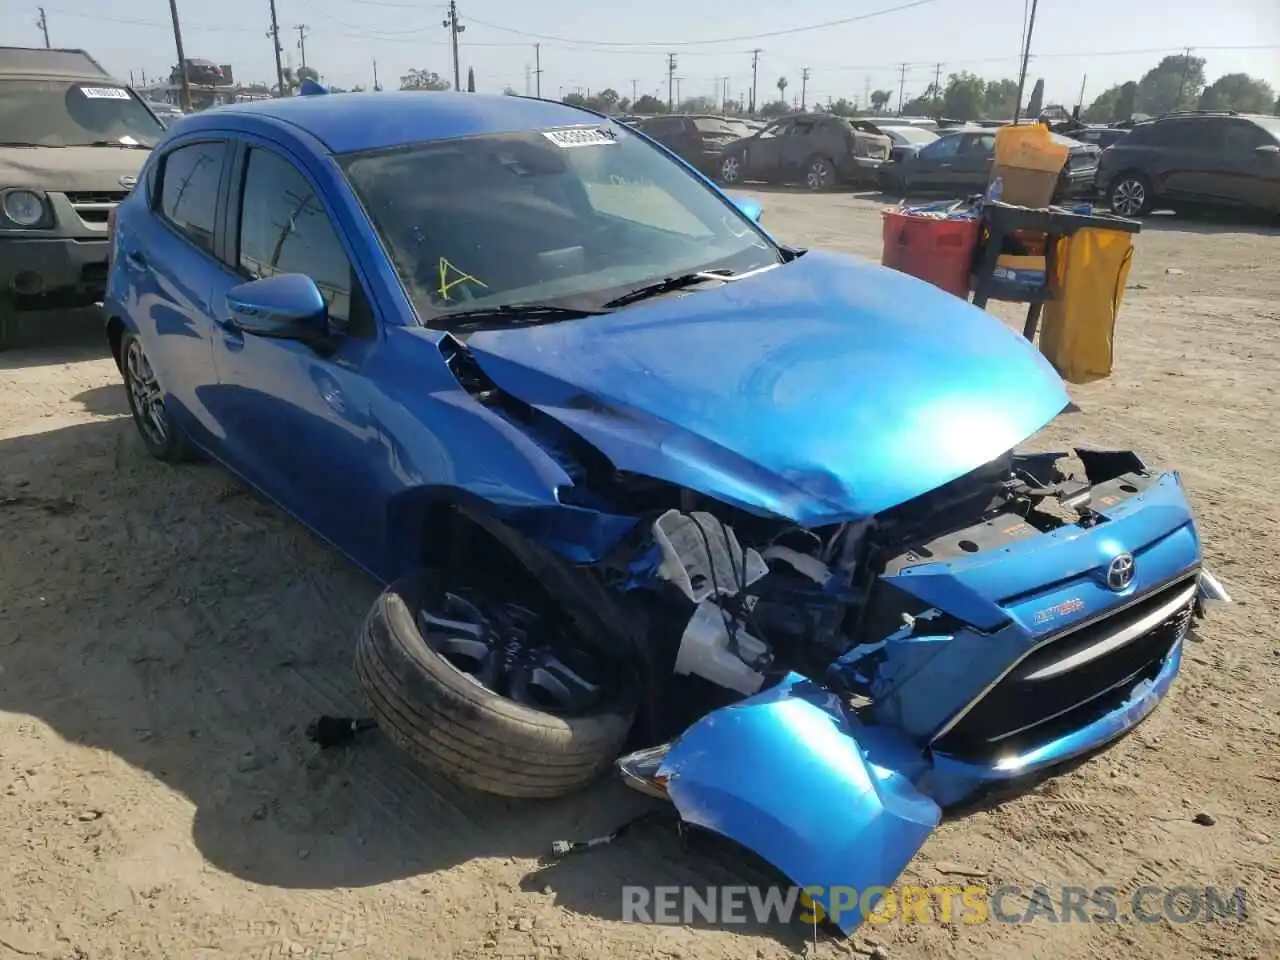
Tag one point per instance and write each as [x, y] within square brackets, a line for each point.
[641, 478]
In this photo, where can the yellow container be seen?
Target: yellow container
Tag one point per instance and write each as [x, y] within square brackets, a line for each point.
[1029, 146]
[1077, 334]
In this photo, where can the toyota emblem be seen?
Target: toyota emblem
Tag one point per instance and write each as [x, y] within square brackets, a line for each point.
[1120, 572]
[128, 182]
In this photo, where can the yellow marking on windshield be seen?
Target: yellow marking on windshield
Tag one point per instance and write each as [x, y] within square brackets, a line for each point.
[447, 284]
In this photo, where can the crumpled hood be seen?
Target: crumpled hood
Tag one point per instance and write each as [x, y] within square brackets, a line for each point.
[69, 168]
[823, 390]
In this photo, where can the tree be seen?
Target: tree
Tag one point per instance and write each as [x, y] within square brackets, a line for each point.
[775, 109]
[928, 104]
[880, 99]
[963, 97]
[999, 97]
[699, 105]
[648, 104]
[843, 108]
[422, 80]
[574, 99]
[510, 92]
[1174, 83]
[782, 89]
[471, 79]
[1240, 92]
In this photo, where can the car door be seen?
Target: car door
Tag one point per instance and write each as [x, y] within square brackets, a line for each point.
[762, 156]
[169, 260]
[801, 141]
[297, 420]
[931, 167]
[971, 167]
[1181, 158]
[1252, 161]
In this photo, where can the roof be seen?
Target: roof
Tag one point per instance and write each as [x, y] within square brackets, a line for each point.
[350, 122]
[39, 62]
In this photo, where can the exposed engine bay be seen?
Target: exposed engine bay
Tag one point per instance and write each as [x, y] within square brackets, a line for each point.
[761, 599]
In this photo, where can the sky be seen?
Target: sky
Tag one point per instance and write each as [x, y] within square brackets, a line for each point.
[610, 43]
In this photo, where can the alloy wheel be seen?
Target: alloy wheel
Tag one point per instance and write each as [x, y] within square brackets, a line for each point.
[819, 175]
[512, 651]
[146, 396]
[1128, 197]
[729, 170]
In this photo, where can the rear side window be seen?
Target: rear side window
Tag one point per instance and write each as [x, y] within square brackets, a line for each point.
[189, 190]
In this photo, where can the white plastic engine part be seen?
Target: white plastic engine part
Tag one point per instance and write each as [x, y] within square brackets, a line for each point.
[705, 652]
[702, 556]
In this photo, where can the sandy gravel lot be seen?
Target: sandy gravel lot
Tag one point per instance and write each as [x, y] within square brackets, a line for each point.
[165, 636]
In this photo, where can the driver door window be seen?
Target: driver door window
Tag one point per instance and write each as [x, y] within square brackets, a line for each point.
[942, 149]
[284, 229]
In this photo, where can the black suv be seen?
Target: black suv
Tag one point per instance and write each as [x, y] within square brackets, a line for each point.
[1194, 159]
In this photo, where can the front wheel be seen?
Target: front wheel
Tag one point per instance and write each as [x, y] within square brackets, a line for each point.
[495, 695]
[731, 170]
[1130, 195]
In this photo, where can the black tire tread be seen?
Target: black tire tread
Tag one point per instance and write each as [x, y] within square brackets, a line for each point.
[451, 724]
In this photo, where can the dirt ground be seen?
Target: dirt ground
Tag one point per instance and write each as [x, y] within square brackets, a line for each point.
[165, 636]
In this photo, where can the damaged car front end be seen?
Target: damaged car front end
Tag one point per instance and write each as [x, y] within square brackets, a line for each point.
[850, 637]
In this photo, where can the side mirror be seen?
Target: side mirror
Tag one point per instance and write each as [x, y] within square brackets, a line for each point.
[287, 306]
[750, 207]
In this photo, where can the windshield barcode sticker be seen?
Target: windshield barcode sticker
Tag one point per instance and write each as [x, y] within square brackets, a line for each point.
[580, 137]
[104, 93]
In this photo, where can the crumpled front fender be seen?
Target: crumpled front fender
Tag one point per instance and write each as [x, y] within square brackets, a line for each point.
[790, 774]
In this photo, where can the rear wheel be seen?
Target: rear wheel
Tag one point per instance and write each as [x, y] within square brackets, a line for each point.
[161, 436]
[820, 174]
[1130, 195]
[731, 170]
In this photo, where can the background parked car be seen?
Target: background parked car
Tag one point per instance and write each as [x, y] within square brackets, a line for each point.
[907, 137]
[960, 163]
[817, 149]
[700, 140]
[166, 113]
[1100, 137]
[1193, 160]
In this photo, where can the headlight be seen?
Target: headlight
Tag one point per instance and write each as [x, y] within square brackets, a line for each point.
[23, 207]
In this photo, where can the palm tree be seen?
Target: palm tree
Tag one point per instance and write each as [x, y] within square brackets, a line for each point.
[782, 89]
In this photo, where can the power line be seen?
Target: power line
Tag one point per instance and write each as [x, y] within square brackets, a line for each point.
[693, 43]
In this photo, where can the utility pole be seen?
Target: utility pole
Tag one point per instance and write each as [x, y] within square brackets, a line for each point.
[274, 34]
[184, 89]
[1182, 81]
[804, 85]
[937, 91]
[302, 43]
[528, 80]
[451, 24]
[724, 93]
[1026, 58]
[634, 84]
[866, 92]
[902, 86]
[755, 75]
[376, 87]
[671, 81]
[1080, 101]
[43, 24]
[537, 70]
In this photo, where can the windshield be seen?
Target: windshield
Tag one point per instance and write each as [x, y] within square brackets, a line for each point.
[572, 216]
[55, 113]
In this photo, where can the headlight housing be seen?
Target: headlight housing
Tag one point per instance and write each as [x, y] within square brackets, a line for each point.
[24, 208]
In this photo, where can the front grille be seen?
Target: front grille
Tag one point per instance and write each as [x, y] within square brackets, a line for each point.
[1073, 679]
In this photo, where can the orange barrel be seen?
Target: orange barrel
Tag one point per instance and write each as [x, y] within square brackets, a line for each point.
[933, 249]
